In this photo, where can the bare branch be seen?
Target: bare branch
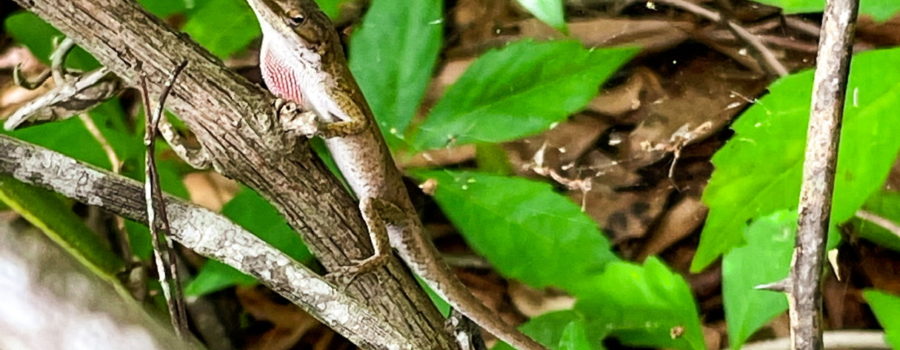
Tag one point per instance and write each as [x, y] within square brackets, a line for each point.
[208, 234]
[823, 136]
[166, 259]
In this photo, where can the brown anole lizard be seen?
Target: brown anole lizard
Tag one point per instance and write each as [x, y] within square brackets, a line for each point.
[302, 61]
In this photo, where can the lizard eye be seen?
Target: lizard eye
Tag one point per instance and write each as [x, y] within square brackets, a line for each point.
[295, 18]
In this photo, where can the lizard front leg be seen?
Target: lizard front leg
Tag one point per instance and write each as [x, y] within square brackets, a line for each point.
[338, 115]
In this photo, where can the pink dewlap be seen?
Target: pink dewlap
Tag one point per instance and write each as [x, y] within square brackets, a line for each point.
[279, 78]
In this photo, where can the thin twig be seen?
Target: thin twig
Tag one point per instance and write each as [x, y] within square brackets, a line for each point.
[58, 60]
[767, 57]
[57, 68]
[876, 219]
[165, 265]
[808, 28]
[843, 339]
[829, 90]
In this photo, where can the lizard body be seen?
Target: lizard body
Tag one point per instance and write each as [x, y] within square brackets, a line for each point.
[303, 61]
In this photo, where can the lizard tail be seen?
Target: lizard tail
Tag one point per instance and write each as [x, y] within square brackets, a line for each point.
[457, 294]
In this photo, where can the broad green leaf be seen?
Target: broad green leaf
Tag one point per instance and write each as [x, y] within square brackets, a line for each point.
[522, 227]
[548, 11]
[574, 337]
[392, 56]
[46, 211]
[886, 205]
[886, 308]
[643, 306]
[765, 259]
[442, 305]
[165, 8]
[519, 90]
[68, 137]
[879, 9]
[254, 214]
[215, 276]
[223, 27]
[552, 328]
[759, 171]
[332, 8]
[37, 35]
[259, 217]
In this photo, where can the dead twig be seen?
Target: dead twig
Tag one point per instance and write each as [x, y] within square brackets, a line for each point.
[879, 220]
[843, 339]
[829, 90]
[766, 56]
[165, 263]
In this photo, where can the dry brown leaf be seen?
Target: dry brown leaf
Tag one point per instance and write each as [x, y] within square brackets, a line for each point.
[210, 189]
[678, 222]
[289, 323]
[532, 302]
[624, 215]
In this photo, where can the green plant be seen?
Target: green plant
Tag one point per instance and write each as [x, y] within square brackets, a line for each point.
[521, 226]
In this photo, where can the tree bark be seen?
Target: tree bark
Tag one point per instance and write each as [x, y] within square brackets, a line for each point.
[232, 119]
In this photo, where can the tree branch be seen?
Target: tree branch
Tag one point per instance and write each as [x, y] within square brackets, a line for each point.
[205, 232]
[233, 120]
[823, 136]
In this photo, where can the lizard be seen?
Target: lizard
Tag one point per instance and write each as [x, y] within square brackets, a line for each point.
[302, 61]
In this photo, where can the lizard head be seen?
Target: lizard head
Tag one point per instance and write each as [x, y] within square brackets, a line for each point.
[296, 24]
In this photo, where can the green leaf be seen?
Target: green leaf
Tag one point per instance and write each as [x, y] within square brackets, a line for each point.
[442, 305]
[517, 91]
[887, 205]
[28, 29]
[551, 328]
[256, 215]
[47, 212]
[522, 227]
[165, 8]
[223, 27]
[215, 276]
[574, 337]
[392, 57]
[770, 139]
[332, 8]
[765, 259]
[879, 9]
[886, 308]
[643, 306]
[548, 11]
[68, 137]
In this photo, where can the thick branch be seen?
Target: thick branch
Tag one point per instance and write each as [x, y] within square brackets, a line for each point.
[232, 119]
[206, 233]
[823, 136]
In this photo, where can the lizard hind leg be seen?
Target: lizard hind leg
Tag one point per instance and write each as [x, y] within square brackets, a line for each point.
[377, 228]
